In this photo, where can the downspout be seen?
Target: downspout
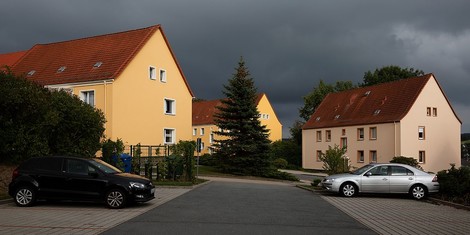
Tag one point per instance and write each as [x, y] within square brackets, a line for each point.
[395, 138]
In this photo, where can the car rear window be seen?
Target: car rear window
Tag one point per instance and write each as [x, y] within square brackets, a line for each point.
[44, 164]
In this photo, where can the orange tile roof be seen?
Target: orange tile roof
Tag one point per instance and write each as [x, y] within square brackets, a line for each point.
[78, 56]
[9, 59]
[383, 103]
[203, 111]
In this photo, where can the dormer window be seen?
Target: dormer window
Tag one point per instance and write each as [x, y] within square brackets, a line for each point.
[31, 73]
[367, 93]
[61, 69]
[317, 119]
[337, 116]
[377, 111]
[97, 64]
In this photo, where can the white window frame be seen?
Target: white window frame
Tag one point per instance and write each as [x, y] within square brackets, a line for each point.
[85, 97]
[422, 156]
[373, 133]
[360, 133]
[194, 131]
[421, 133]
[172, 108]
[202, 131]
[318, 138]
[172, 135]
[372, 155]
[360, 156]
[162, 74]
[211, 138]
[152, 73]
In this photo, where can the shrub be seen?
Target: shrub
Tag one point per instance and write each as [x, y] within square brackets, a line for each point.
[315, 182]
[406, 160]
[275, 174]
[280, 163]
[208, 160]
[334, 161]
[454, 184]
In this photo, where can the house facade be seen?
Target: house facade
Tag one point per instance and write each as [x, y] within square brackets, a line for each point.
[133, 77]
[410, 117]
[204, 123]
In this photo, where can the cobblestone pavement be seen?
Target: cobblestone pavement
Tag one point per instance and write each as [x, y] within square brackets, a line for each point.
[74, 218]
[395, 215]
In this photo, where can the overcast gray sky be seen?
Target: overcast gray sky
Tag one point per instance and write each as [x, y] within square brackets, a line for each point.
[288, 45]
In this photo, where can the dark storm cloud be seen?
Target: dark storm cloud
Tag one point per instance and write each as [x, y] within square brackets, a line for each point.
[287, 45]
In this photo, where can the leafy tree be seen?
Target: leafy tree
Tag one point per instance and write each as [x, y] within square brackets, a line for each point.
[296, 132]
[36, 122]
[245, 148]
[78, 126]
[25, 118]
[111, 148]
[288, 150]
[334, 161]
[316, 96]
[388, 74]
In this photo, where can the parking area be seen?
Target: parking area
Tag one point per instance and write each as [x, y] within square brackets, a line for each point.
[401, 215]
[74, 218]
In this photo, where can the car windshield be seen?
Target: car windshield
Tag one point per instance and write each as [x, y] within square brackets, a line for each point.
[362, 170]
[107, 168]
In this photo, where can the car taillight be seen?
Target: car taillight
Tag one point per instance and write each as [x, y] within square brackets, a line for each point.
[434, 179]
[15, 174]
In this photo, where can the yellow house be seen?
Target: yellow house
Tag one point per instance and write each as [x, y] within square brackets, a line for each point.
[133, 77]
[204, 123]
[410, 117]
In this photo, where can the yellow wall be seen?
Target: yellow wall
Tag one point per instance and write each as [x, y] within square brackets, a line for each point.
[269, 119]
[138, 101]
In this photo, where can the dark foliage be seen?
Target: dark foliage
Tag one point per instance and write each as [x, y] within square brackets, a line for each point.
[454, 184]
[389, 74]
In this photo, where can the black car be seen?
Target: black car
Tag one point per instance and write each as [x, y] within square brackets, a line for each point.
[78, 179]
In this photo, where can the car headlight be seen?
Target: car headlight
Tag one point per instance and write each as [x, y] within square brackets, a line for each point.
[330, 180]
[137, 185]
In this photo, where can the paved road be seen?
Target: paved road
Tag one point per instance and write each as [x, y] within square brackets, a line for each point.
[244, 208]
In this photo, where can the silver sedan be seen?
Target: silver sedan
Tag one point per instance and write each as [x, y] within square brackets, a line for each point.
[383, 178]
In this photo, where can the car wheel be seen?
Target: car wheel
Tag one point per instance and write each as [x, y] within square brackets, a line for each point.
[418, 192]
[348, 190]
[25, 196]
[115, 198]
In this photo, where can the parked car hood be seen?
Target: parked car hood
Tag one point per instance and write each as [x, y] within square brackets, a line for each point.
[344, 175]
[133, 176]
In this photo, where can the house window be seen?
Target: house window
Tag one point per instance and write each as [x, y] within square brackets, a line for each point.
[373, 133]
[328, 135]
[434, 112]
[343, 132]
[211, 138]
[170, 106]
[319, 153]
[202, 146]
[162, 75]
[169, 136]
[360, 156]
[318, 136]
[344, 143]
[152, 73]
[202, 131]
[421, 134]
[194, 131]
[422, 157]
[428, 111]
[373, 156]
[360, 133]
[88, 97]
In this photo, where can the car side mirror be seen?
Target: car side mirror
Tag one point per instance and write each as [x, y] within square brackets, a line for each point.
[368, 174]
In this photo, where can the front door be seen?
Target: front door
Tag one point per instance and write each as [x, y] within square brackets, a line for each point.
[376, 180]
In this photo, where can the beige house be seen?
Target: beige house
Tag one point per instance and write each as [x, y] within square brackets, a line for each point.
[410, 117]
[133, 77]
[204, 123]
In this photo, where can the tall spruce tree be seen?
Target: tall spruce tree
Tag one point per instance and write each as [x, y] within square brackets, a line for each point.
[244, 148]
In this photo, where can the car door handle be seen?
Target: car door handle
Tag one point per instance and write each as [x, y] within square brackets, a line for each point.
[411, 178]
[385, 179]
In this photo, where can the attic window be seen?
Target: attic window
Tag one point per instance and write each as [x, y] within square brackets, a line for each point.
[367, 93]
[377, 111]
[31, 73]
[97, 64]
[337, 116]
[61, 69]
[317, 119]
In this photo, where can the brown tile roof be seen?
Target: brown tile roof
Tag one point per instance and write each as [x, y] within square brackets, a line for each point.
[9, 59]
[203, 111]
[79, 56]
[383, 103]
